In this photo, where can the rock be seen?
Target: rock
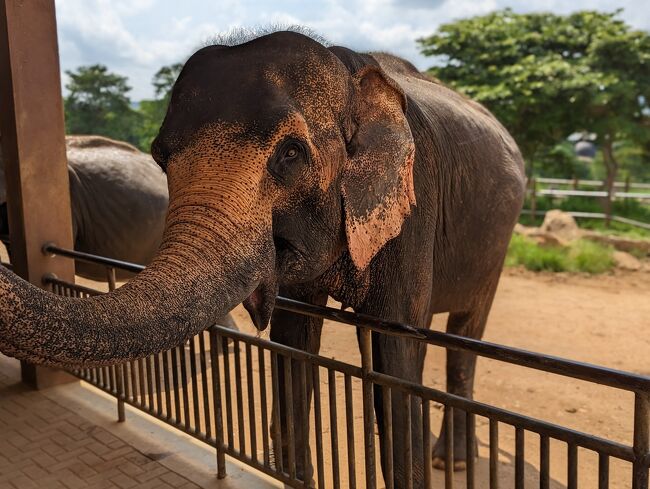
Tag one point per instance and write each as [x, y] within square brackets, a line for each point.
[520, 229]
[626, 261]
[561, 225]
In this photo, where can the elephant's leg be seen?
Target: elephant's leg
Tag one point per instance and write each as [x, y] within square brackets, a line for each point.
[402, 358]
[461, 368]
[301, 332]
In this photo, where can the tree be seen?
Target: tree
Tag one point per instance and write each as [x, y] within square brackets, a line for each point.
[164, 79]
[545, 76]
[153, 111]
[98, 103]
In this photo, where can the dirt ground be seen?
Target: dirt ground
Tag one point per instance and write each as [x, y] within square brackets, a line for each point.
[599, 319]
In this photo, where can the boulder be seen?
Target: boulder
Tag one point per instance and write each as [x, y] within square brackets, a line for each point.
[560, 225]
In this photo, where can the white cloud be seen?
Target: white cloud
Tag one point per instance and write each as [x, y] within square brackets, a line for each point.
[136, 37]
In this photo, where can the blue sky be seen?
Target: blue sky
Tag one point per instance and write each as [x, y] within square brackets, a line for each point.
[136, 37]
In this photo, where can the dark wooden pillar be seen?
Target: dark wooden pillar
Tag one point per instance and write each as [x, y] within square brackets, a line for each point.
[33, 146]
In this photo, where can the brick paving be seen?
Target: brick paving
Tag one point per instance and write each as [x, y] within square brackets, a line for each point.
[46, 445]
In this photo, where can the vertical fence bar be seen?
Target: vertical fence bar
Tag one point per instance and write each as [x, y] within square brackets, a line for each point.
[264, 406]
[276, 423]
[218, 406]
[494, 454]
[168, 388]
[365, 343]
[143, 390]
[449, 447]
[533, 198]
[572, 466]
[544, 462]
[156, 366]
[148, 361]
[120, 393]
[334, 432]
[239, 396]
[134, 382]
[110, 278]
[291, 435]
[251, 401]
[227, 387]
[470, 443]
[603, 471]
[387, 404]
[195, 385]
[349, 421]
[304, 421]
[519, 457]
[176, 384]
[641, 440]
[426, 443]
[318, 426]
[205, 387]
[186, 385]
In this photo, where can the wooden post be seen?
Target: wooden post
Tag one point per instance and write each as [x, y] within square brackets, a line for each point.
[533, 198]
[33, 145]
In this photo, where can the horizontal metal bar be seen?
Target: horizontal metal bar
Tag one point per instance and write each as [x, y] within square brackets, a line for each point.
[558, 432]
[548, 363]
[290, 352]
[594, 215]
[592, 193]
[591, 183]
[89, 258]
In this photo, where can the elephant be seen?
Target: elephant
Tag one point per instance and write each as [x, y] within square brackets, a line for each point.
[311, 171]
[118, 197]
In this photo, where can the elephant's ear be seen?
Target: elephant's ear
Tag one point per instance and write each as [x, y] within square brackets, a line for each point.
[377, 183]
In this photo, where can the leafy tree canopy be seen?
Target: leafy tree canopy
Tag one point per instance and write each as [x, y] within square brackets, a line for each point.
[545, 75]
[98, 103]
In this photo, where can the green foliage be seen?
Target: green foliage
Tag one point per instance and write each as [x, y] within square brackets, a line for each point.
[580, 256]
[153, 111]
[98, 103]
[545, 76]
[524, 251]
[590, 257]
[560, 161]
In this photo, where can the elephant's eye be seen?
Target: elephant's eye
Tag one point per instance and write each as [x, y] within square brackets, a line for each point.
[291, 152]
[285, 165]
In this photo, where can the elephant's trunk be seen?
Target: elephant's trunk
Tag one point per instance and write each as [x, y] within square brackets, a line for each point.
[199, 274]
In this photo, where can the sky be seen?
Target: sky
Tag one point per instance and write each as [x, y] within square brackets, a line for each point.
[136, 37]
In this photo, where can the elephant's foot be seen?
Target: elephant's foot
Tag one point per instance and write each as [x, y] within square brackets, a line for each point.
[301, 475]
[439, 459]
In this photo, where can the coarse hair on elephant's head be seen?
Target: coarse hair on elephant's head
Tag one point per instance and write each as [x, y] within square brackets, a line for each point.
[278, 129]
[279, 160]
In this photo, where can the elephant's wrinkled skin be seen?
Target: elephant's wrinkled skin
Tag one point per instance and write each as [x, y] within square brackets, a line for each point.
[118, 198]
[320, 171]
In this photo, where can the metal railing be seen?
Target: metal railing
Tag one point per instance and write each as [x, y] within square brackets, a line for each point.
[534, 192]
[223, 388]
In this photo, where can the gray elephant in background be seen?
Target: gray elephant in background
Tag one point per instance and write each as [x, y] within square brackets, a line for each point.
[119, 200]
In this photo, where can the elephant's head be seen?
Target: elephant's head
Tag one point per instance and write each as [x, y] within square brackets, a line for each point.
[279, 160]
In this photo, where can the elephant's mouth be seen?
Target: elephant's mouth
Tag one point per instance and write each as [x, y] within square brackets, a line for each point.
[288, 258]
[261, 302]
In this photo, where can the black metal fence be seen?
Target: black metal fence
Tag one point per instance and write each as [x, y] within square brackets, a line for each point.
[222, 387]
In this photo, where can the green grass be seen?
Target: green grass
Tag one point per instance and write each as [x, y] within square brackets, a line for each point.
[580, 256]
